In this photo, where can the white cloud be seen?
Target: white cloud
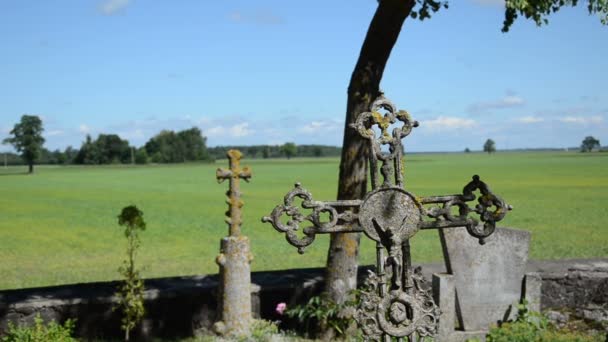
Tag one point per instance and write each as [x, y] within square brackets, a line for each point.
[261, 17]
[511, 100]
[321, 126]
[447, 122]
[109, 7]
[240, 130]
[54, 133]
[214, 131]
[84, 129]
[236, 131]
[508, 101]
[582, 119]
[529, 119]
[136, 134]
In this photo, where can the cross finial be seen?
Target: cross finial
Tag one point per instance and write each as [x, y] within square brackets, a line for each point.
[234, 174]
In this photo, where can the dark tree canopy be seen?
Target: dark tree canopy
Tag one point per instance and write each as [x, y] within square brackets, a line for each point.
[489, 146]
[106, 149]
[538, 10]
[589, 144]
[170, 147]
[289, 149]
[27, 139]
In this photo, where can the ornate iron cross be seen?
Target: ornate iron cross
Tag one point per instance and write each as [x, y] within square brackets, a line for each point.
[395, 303]
[234, 174]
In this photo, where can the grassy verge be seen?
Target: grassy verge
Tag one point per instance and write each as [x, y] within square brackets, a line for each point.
[59, 225]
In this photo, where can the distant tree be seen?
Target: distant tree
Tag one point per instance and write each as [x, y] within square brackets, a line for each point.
[589, 144]
[141, 156]
[193, 144]
[317, 151]
[106, 149]
[466, 150]
[70, 154]
[252, 151]
[289, 149]
[27, 139]
[170, 147]
[266, 152]
[489, 146]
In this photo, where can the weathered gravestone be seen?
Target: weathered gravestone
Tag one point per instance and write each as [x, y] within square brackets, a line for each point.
[485, 283]
[234, 302]
[395, 304]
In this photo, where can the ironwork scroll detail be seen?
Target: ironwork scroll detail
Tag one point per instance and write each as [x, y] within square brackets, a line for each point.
[443, 216]
[398, 313]
[391, 161]
[339, 222]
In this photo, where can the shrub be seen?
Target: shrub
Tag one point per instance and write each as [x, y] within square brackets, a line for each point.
[41, 332]
[534, 326]
[327, 313]
[131, 292]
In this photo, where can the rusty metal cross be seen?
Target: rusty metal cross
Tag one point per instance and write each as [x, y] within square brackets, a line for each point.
[394, 304]
[234, 174]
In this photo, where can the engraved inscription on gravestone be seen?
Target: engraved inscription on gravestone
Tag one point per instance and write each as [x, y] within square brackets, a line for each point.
[395, 303]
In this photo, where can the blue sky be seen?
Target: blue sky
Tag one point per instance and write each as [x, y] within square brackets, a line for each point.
[269, 71]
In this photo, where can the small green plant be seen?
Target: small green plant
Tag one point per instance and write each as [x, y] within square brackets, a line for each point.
[41, 332]
[326, 313]
[131, 292]
[534, 326]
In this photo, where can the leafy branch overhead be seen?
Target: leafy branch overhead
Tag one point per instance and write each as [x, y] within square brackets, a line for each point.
[536, 10]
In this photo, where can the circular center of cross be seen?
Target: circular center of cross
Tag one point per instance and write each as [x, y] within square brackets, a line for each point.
[390, 212]
[398, 312]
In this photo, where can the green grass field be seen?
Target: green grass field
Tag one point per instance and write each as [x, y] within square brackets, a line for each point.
[59, 225]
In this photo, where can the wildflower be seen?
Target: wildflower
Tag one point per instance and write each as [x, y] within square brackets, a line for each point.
[280, 308]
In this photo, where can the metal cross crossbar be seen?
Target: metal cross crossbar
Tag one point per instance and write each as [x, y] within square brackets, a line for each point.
[394, 304]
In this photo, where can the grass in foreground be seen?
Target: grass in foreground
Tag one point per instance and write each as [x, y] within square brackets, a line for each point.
[60, 225]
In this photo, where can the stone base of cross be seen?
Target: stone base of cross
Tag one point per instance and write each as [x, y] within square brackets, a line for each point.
[395, 303]
[234, 300]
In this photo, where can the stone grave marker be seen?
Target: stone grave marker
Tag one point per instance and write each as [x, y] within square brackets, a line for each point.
[234, 302]
[395, 304]
[484, 283]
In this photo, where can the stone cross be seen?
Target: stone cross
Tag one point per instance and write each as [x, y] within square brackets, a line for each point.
[235, 257]
[234, 174]
[395, 304]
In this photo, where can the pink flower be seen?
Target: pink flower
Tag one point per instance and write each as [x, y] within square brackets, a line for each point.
[281, 308]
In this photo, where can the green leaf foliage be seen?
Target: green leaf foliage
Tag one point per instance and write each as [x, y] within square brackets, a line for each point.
[531, 326]
[131, 291]
[538, 10]
[41, 332]
[26, 138]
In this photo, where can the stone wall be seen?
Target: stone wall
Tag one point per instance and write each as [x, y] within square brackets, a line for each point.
[182, 306]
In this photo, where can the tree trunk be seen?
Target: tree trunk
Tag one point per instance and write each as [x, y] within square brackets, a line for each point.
[31, 167]
[364, 87]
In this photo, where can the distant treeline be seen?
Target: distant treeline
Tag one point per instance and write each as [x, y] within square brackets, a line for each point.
[277, 151]
[166, 147]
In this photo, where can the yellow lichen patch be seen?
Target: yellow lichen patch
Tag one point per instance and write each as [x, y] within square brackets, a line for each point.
[351, 246]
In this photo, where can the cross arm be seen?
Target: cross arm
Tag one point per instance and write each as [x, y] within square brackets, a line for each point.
[490, 209]
[341, 217]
